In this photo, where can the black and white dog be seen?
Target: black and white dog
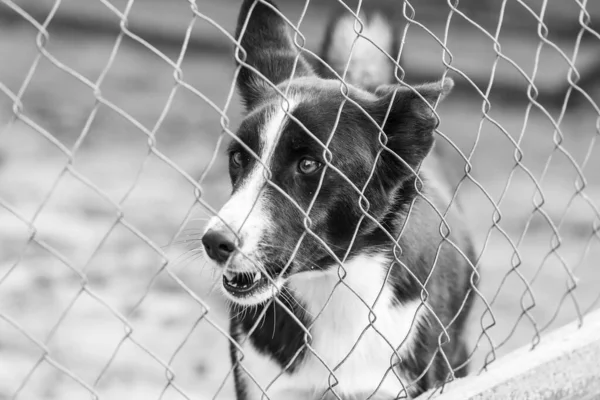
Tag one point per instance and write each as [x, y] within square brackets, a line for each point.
[335, 294]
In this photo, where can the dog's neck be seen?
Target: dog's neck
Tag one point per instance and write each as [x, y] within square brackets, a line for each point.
[381, 236]
[351, 322]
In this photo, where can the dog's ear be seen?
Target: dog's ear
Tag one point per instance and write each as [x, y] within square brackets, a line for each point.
[269, 45]
[408, 120]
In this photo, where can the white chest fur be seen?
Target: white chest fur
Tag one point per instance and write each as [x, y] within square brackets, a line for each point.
[354, 337]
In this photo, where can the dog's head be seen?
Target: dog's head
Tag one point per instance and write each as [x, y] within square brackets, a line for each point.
[303, 155]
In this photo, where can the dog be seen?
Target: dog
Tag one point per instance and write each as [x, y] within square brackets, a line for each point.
[343, 280]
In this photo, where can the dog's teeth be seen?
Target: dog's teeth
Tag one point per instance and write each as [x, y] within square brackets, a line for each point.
[229, 275]
[256, 277]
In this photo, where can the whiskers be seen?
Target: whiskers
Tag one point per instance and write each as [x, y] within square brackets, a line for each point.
[189, 245]
[244, 310]
[289, 297]
[305, 264]
[190, 250]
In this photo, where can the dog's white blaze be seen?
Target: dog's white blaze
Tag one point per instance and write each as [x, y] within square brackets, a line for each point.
[245, 213]
[336, 334]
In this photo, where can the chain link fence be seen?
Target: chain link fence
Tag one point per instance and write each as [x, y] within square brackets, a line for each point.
[110, 166]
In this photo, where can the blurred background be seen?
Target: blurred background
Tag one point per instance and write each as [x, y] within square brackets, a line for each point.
[102, 288]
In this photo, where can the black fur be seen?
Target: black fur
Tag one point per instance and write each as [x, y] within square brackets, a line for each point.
[269, 48]
[277, 335]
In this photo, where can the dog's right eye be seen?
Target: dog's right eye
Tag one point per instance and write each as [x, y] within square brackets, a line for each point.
[236, 159]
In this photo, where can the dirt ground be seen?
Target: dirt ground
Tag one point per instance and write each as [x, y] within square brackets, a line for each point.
[108, 313]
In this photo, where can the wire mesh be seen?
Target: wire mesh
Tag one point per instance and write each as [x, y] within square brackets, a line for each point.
[535, 235]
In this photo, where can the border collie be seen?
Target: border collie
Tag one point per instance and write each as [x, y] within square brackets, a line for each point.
[343, 281]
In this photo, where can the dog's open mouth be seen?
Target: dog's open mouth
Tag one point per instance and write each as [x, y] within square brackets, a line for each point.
[244, 284]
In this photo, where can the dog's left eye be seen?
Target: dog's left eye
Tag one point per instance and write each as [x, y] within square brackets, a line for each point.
[308, 166]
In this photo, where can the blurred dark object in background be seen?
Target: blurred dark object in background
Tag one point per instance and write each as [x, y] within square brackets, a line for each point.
[472, 28]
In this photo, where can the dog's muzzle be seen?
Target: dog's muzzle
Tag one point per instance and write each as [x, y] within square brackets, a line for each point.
[221, 247]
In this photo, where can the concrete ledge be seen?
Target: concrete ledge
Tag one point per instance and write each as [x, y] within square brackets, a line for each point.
[565, 365]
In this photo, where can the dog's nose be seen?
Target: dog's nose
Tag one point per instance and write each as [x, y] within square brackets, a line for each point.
[218, 244]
